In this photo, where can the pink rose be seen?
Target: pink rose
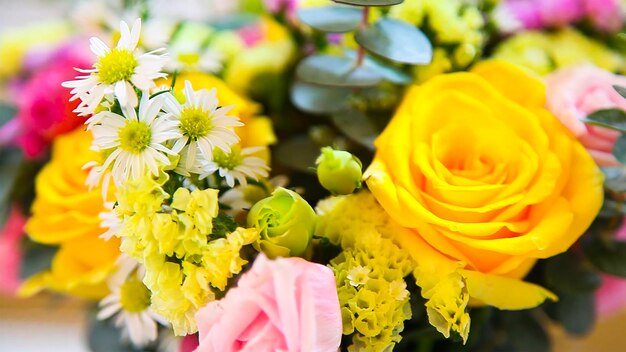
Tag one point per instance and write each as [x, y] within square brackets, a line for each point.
[287, 304]
[611, 296]
[43, 107]
[10, 252]
[575, 92]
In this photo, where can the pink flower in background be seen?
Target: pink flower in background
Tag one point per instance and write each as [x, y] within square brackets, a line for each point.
[288, 304]
[10, 251]
[275, 6]
[189, 343]
[606, 15]
[44, 110]
[611, 296]
[575, 92]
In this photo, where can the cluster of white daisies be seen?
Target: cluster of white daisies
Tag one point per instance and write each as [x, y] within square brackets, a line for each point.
[153, 132]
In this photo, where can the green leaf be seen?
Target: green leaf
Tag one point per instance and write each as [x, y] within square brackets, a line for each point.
[37, 258]
[7, 112]
[319, 99]
[619, 149]
[396, 40]
[357, 127]
[103, 336]
[615, 179]
[621, 90]
[223, 224]
[607, 256]
[331, 19]
[525, 332]
[567, 273]
[10, 162]
[610, 118]
[370, 2]
[298, 153]
[389, 73]
[574, 311]
[336, 71]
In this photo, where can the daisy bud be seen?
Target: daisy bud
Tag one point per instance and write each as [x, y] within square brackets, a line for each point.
[286, 223]
[338, 171]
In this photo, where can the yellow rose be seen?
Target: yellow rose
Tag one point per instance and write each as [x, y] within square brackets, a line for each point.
[484, 180]
[65, 213]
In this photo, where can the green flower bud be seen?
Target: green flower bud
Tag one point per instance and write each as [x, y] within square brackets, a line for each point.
[285, 222]
[338, 171]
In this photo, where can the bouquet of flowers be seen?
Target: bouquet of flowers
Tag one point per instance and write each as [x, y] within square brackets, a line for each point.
[317, 175]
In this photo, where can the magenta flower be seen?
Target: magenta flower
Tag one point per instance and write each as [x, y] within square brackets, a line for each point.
[10, 251]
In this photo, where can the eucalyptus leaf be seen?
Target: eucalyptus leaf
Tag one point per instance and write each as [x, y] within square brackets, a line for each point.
[319, 99]
[575, 312]
[608, 256]
[610, 118]
[333, 19]
[37, 258]
[298, 153]
[621, 90]
[396, 40]
[336, 71]
[619, 149]
[10, 161]
[357, 127]
[567, 273]
[369, 2]
[390, 73]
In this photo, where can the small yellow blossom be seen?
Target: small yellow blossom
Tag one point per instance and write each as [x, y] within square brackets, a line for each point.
[358, 275]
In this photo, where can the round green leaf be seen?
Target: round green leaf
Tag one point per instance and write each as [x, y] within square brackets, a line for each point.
[331, 19]
[319, 99]
[357, 127]
[336, 71]
[370, 2]
[397, 41]
[389, 73]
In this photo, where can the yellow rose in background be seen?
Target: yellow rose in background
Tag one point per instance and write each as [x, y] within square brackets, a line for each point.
[257, 131]
[484, 181]
[65, 213]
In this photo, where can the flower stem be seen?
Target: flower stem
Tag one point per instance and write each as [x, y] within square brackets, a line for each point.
[364, 23]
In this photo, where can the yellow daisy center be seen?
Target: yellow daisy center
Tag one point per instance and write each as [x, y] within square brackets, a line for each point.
[117, 65]
[189, 58]
[195, 123]
[228, 161]
[134, 295]
[135, 136]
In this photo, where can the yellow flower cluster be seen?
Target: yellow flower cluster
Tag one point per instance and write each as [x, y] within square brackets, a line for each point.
[457, 32]
[369, 272]
[544, 52]
[182, 260]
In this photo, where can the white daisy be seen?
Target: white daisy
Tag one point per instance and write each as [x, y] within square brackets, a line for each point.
[203, 125]
[110, 221]
[237, 164]
[134, 142]
[117, 72]
[129, 301]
